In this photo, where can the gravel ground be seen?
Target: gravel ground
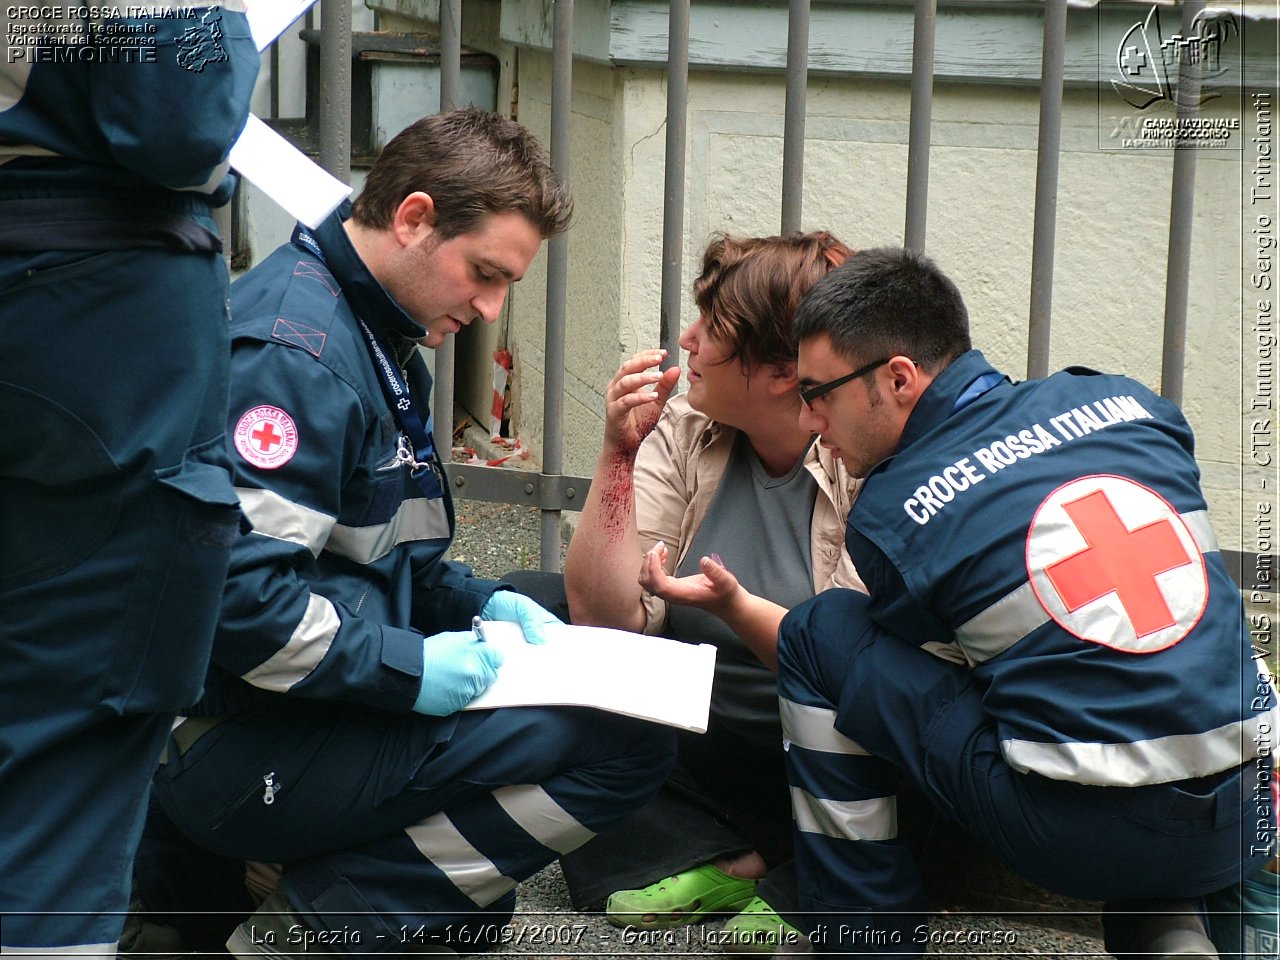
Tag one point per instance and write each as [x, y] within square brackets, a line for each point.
[496, 538]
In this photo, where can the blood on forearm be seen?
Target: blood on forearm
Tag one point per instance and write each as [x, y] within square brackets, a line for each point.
[617, 494]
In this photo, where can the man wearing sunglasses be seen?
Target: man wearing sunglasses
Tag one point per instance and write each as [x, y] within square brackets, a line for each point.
[1102, 734]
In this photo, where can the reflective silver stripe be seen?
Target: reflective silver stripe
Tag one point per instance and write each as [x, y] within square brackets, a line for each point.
[274, 516]
[1002, 624]
[542, 818]
[814, 728]
[467, 868]
[306, 648]
[1019, 612]
[419, 519]
[80, 950]
[875, 819]
[1161, 760]
[1197, 522]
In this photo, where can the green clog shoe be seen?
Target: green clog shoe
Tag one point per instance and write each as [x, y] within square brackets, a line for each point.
[757, 929]
[684, 898]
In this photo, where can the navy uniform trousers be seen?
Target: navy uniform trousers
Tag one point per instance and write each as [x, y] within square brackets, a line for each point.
[725, 795]
[861, 708]
[116, 515]
[400, 831]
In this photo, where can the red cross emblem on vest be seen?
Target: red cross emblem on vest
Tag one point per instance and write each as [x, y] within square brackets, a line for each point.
[266, 437]
[1113, 562]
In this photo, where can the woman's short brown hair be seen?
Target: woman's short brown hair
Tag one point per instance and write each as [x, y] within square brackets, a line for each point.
[472, 164]
[749, 290]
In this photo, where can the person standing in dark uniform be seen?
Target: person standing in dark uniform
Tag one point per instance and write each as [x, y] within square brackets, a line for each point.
[116, 507]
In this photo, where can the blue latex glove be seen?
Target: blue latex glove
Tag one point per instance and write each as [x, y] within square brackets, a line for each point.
[456, 668]
[516, 607]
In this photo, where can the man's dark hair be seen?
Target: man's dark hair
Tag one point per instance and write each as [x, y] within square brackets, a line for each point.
[473, 164]
[887, 302]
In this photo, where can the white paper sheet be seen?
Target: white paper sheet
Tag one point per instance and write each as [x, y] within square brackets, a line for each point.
[270, 18]
[307, 191]
[652, 678]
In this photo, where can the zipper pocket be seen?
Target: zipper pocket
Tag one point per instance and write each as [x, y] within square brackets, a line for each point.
[266, 787]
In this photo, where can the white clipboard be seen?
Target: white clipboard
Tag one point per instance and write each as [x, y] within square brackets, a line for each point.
[651, 678]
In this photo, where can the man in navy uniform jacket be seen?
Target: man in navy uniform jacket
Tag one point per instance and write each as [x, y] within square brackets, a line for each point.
[329, 738]
[1052, 650]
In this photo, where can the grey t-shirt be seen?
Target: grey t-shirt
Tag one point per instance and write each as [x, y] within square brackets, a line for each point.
[760, 527]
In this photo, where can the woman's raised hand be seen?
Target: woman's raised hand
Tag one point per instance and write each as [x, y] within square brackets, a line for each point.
[634, 399]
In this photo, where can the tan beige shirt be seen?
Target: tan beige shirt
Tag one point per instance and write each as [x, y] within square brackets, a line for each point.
[678, 470]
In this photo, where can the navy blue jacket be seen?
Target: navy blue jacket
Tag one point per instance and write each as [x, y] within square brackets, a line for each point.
[330, 595]
[1055, 531]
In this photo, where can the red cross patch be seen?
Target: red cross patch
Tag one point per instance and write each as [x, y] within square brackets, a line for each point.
[1113, 562]
[267, 437]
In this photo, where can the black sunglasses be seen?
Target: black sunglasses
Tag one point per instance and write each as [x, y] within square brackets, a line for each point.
[810, 394]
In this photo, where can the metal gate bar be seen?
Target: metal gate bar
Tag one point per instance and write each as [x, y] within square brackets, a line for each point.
[450, 97]
[335, 88]
[1177, 277]
[794, 114]
[1045, 218]
[557, 282]
[926, 19]
[673, 190]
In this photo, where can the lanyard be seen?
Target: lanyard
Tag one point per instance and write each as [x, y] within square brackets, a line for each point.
[415, 448]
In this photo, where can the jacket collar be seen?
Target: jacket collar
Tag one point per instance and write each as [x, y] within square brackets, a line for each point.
[965, 379]
[368, 298]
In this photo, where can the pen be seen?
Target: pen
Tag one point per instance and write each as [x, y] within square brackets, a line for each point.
[475, 628]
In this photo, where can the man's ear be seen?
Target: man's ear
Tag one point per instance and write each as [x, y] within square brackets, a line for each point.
[908, 380]
[415, 218]
[782, 378]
